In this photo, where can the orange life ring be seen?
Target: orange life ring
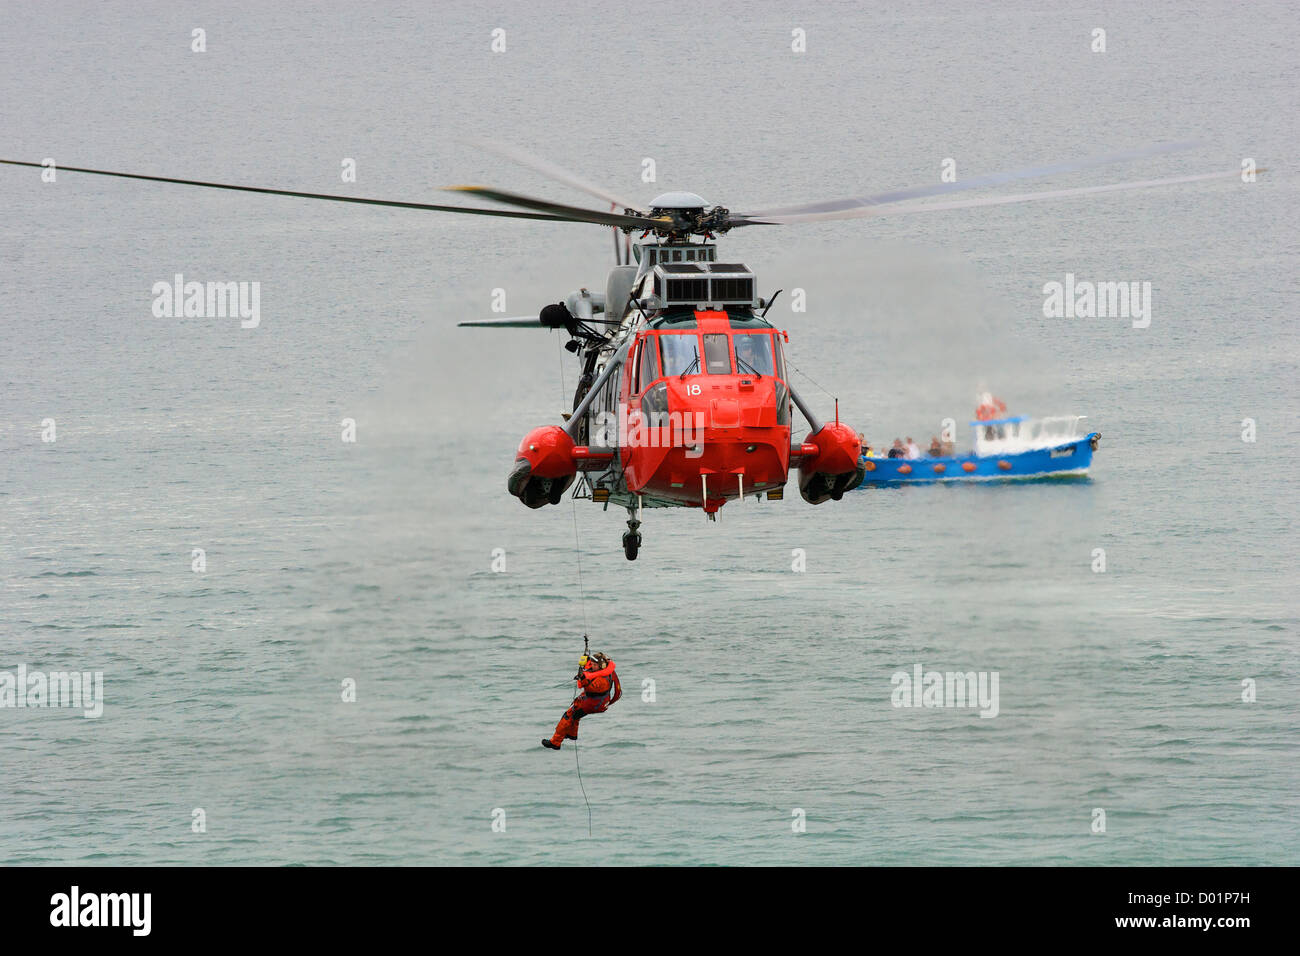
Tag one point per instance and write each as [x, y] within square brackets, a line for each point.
[940, 469]
[869, 465]
[904, 469]
[968, 466]
[1004, 465]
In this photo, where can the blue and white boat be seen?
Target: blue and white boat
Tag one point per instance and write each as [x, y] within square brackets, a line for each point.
[1018, 447]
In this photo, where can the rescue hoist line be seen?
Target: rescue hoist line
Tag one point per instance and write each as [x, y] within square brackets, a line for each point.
[564, 392]
[586, 649]
[577, 554]
[579, 766]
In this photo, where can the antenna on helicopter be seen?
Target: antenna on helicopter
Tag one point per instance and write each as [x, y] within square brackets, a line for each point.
[770, 301]
[633, 300]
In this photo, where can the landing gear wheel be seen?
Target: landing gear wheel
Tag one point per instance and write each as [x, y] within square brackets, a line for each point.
[632, 538]
[631, 541]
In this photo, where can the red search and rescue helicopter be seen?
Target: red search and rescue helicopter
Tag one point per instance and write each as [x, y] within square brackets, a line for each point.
[684, 398]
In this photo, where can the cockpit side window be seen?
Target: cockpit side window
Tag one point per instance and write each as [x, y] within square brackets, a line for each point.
[753, 353]
[717, 357]
[646, 373]
[679, 353]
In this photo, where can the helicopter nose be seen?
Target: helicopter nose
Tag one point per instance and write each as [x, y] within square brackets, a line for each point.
[731, 466]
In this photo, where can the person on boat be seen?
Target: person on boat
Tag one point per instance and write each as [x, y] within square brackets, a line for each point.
[913, 451]
[866, 448]
[936, 447]
[990, 407]
[898, 451]
[598, 690]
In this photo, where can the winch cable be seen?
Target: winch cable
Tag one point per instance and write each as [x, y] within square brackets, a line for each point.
[564, 392]
[582, 601]
[577, 554]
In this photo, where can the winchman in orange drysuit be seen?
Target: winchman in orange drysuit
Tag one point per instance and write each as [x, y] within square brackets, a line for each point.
[598, 690]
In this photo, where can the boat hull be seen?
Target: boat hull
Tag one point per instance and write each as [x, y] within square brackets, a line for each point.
[1068, 459]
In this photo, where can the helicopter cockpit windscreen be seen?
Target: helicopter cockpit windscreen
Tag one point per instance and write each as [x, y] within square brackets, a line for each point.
[716, 354]
[754, 353]
[679, 353]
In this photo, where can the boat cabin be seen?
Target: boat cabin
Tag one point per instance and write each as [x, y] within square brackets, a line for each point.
[1021, 433]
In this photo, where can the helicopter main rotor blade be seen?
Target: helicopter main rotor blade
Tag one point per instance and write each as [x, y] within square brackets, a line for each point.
[852, 207]
[331, 197]
[518, 322]
[735, 222]
[1031, 197]
[574, 213]
[527, 322]
[557, 173]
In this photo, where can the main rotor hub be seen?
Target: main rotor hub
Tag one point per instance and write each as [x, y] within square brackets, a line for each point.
[691, 215]
[678, 201]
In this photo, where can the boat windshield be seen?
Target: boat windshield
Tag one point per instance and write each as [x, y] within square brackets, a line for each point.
[1014, 435]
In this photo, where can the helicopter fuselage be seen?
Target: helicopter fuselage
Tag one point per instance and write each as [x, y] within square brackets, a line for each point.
[699, 413]
[686, 403]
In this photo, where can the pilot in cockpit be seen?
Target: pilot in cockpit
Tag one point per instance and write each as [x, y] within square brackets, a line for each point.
[749, 359]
